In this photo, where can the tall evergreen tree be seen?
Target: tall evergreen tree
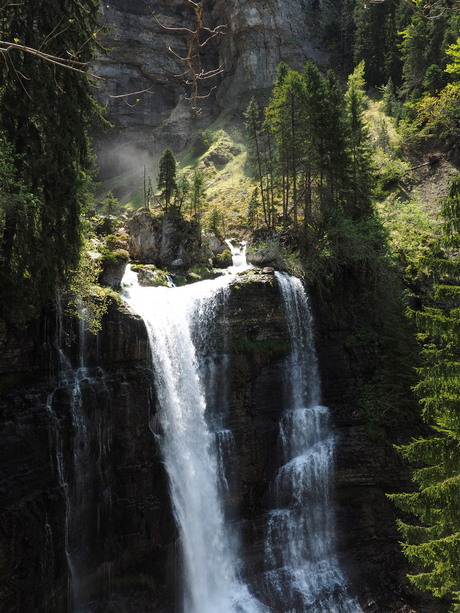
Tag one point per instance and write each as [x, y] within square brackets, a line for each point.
[166, 180]
[361, 174]
[258, 155]
[45, 112]
[285, 115]
[433, 542]
[424, 42]
[376, 40]
[197, 200]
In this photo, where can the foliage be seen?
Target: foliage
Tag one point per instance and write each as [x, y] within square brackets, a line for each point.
[261, 158]
[45, 112]
[432, 543]
[202, 142]
[224, 259]
[85, 298]
[376, 40]
[166, 180]
[438, 116]
[110, 205]
[361, 180]
[410, 233]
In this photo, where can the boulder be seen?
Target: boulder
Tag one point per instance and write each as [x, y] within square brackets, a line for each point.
[163, 240]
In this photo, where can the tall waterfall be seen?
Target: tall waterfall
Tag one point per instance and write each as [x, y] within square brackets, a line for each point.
[189, 446]
[301, 569]
[303, 572]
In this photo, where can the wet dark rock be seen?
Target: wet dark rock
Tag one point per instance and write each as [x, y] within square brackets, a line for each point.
[124, 520]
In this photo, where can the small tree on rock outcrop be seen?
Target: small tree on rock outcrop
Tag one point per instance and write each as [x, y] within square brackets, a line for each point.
[166, 180]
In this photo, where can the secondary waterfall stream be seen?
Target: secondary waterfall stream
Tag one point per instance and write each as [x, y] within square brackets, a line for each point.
[301, 570]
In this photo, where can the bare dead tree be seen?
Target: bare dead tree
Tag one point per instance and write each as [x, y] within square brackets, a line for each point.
[197, 38]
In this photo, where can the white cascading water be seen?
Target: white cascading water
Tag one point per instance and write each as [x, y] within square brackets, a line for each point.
[303, 574]
[191, 454]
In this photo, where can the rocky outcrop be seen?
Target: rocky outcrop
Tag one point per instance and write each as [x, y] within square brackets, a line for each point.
[260, 35]
[167, 240]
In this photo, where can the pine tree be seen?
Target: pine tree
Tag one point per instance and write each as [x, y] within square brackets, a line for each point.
[166, 180]
[433, 542]
[423, 46]
[285, 115]
[376, 39]
[45, 112]
[182, 191]
[361, 173]
[258, 156]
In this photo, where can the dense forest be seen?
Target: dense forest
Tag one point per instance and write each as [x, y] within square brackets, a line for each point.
[330, 164]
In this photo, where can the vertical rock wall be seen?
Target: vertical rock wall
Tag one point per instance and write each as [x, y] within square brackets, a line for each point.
[118, 539]
[142, 89]
[85, 514]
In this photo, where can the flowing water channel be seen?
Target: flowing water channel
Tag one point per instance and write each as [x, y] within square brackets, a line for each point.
[301, 572]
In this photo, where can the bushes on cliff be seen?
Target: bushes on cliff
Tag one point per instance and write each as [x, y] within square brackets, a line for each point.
[432, 541]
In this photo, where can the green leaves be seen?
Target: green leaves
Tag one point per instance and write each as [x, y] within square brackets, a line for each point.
[432, 542]
[166, 180]
[45, 112]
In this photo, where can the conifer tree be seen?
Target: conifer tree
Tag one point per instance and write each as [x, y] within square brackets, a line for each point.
[253, 124]
[182, 191]
[45, 112]
[285, 115]
[361, 175]
[376, 40]
[433, 542]
[166, 180]
[197, 200]
[197, 195]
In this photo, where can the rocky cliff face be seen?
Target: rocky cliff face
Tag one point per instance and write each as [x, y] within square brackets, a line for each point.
[84, 494]
[155, 114]
[84, 491]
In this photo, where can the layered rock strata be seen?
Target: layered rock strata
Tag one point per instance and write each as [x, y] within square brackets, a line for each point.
[85, 503]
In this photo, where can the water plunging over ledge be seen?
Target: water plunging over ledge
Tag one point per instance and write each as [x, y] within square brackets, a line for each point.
[301, 570]
[190, 451]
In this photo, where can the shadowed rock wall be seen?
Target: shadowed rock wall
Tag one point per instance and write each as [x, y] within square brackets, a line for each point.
[85, 498]
[156, 114]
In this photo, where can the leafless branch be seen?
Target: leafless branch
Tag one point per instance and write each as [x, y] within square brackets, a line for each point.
[194, 73]
[69, 63]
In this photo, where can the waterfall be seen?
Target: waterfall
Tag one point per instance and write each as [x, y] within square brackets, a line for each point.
[238, 254]
[192, 451]
[302, 571]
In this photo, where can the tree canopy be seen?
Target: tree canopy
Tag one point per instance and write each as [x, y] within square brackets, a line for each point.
[432, 542]
[45, 113]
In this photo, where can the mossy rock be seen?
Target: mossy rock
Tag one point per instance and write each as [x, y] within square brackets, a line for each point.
[151, 276]
[224, 259]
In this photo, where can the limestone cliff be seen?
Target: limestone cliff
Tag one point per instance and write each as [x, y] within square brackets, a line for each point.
[155, 114]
